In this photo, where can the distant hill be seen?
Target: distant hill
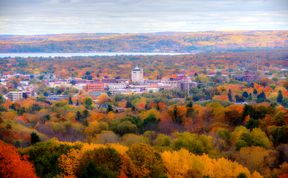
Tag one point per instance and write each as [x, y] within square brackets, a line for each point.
[148, 42]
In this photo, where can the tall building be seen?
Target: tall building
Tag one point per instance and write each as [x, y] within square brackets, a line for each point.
[137, 75]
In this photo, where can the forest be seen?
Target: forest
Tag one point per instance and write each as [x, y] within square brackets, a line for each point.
[152, 138]
[223, 128]
[146, 42]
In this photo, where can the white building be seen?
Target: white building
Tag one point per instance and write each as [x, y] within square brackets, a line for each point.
[137, 75]
[15, 95]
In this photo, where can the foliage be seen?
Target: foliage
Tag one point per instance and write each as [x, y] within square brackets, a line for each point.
[185, 164]
[254, 138]
[254, 158]
[12, 164]
[197, 144]
[101, 162]
[147, 161]
[34, 138]
[44, 156]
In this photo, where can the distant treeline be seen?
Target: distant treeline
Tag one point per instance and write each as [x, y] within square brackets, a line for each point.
[152, 42]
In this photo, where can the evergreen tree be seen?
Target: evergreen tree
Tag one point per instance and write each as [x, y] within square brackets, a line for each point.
[109, 108]
[255, 91]
[70, 100]
[2, 100]
[190, 104]
[250, 97]
[245, 94]
[261, 97]
[34, 138]
[85, 114]
[88, 103]
[280, 97]
[230, 95]
[78, 116]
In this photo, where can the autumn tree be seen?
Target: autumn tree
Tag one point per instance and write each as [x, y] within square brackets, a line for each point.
[12, 164]
[146, 160]
[256, 158]
[45, 156]
[177, 113]
[101, 162]
[182, 163]
[123, 127]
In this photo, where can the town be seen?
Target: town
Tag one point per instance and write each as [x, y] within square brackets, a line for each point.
[137, 84]
[143, 89]
[210, 105]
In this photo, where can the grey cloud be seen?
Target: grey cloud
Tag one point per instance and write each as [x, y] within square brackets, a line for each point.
[73, 16]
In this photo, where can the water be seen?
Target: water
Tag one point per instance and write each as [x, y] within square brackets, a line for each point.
[52, 55]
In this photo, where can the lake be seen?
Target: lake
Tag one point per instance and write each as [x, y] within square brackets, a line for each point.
[27, 55]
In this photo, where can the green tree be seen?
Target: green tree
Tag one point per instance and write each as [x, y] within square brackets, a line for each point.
[2, 100]
[101, 162]
[162, 140]
[252, 123]
[254, 138]
[44, 156]
[123, 127]
[34, 138]
[279, 134]
[88, 103]
[261, 97]
[280, 97]
[245, 94]
[230, 95]
[70, 100]
[255, 91]
[197, 144]
[78, 116]
[150, 123]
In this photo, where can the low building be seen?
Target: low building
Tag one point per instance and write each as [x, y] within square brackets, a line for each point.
[113, 86]
[59, 83]
[95, 87]
[15, 95]
[184, 86]
[149, 89]
[57, 97]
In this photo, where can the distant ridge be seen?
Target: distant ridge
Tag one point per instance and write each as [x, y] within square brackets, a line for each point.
[180, 42]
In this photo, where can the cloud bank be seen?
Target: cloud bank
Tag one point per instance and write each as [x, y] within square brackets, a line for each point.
[140, 16]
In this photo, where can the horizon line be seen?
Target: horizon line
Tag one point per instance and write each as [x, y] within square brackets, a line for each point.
[122, 33]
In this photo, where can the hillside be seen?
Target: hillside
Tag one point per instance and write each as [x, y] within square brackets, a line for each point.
[148, 42]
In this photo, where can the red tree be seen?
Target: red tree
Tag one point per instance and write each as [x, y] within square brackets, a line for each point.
[12, 165]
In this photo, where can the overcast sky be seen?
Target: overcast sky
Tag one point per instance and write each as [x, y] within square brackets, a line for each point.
[133, 16]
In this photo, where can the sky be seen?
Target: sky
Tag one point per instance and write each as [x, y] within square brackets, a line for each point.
[28, 17]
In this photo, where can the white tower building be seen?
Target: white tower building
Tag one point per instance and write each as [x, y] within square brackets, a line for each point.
[137, 75]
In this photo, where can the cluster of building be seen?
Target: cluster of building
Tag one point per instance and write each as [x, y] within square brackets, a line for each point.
[23, 88]
[95, 87]
[136, 84]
